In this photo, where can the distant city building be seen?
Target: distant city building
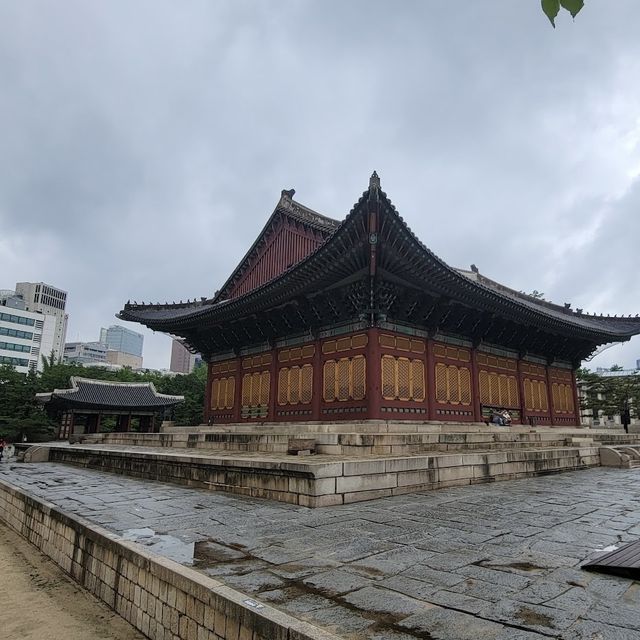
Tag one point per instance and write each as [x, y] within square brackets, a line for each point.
[182, 360]
[24, 335]
[85, 352]
[123, 359]
[637, 364]
[119, 338]
[43, 298]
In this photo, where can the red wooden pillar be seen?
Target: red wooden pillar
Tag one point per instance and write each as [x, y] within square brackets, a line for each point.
[318, 386]
[237, 397]
[207, 394]
[431, 381]
[524, 419]
[273, 386]
[549, 395]
[374, 376]
[576, 399]
[475, 386]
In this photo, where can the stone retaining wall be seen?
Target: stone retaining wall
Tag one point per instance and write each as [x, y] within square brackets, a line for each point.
[354, 444]
[161, 598]
[311, 483]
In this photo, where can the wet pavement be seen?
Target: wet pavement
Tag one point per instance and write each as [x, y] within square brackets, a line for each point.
[495, 562]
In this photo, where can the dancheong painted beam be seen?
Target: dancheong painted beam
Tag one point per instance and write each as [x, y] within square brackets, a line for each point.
[329, 320]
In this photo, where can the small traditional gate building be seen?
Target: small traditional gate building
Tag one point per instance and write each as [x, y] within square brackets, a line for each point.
[81, 408]
[327, 320]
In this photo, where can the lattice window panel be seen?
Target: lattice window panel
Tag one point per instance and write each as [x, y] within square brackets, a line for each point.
[453, 385]
[417, 380]
[544, 403]
[403, 344]
[494, 389]
[359, 377]
[403, 375]
[283, 386]
[441, 383]
[246, 389]
[265, 379]
[294, 385]
[329, 381]
[388, 377]
[343, 344]
[483, 384]
[215, 393]
[556, 398]
[231, 392]
[342, 380]
[503, 384]
[465, 386]
[528, 394]
[306, 384]
[570, 404]
[514, 396]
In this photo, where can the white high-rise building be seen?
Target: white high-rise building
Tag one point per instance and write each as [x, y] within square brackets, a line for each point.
[43, 298]
[24, 335]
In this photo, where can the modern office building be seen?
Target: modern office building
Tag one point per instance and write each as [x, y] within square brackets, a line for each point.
[124, 359]
[43, 298]
[118, 338]
[24, 335]
[182, 360]
[85, 352]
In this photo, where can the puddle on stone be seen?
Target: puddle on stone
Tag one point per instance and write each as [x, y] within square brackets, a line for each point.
[162, 544]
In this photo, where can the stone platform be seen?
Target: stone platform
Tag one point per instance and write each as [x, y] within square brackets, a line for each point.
[493, 562]
[352, 462]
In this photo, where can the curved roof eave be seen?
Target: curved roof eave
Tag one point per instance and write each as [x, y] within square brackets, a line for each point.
[451, 282]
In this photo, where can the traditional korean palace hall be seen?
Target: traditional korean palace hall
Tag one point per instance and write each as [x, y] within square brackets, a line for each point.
[328, 320]
[347, 362]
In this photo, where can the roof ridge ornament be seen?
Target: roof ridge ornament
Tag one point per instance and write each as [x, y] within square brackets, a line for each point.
[286, 198]
[374, 181]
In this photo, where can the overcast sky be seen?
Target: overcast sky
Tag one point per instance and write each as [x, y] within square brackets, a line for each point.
[144, 144]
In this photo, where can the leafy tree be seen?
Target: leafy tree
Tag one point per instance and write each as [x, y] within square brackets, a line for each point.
[611, 395]
[551, 8]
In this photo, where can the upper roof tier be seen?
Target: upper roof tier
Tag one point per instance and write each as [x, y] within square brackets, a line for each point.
[339, 251]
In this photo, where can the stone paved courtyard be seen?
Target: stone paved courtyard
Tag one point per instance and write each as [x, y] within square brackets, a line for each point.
[495, 562]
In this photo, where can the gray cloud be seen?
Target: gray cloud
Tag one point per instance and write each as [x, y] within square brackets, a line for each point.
[144, 145]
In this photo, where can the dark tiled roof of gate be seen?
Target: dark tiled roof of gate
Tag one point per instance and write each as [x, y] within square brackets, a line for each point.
[85, 392]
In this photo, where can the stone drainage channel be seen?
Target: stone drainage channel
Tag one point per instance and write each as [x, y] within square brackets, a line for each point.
[499, 561]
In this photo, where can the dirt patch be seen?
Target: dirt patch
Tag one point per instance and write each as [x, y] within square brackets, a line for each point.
[40, 602]
[529, 616]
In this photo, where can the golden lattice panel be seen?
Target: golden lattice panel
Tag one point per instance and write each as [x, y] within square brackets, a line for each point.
[358, 377]
[465, 386]
[418, 387]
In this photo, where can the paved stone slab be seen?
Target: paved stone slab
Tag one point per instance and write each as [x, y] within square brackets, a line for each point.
[498, 561]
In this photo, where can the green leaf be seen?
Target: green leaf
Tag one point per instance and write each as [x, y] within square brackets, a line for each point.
[572, 6]
[551, 9]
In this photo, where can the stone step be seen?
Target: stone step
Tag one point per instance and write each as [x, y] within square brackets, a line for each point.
[316, 481]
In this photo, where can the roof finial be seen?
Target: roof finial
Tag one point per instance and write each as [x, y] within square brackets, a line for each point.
[374, 181]
[286, 198]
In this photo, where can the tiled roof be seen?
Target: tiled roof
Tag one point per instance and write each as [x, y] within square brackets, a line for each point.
[100, 393]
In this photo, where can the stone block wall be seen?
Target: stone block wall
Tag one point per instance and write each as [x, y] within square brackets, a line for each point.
[161, 598]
